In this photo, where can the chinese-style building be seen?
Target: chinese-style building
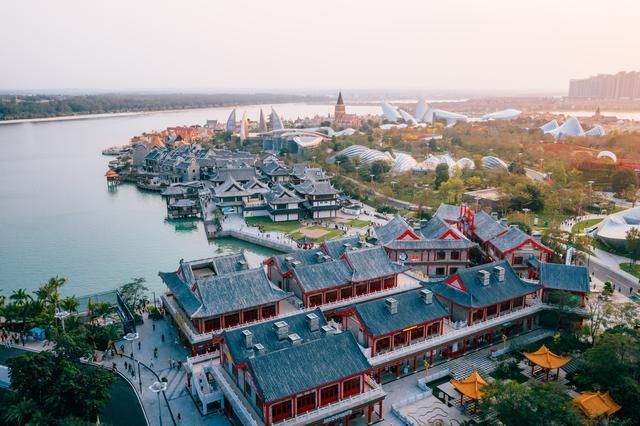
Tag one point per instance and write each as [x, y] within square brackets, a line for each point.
[436, 250]
[207, 296]
[297, 370]
[317, 278]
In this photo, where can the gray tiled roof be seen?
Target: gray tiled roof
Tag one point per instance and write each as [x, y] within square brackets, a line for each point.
[230, 263]
[448, 212]
[312, 187]
[265, 334]
[460, 244]
[237, 291]
[239, 174]
[174, 190]
[181, 291]
[411, 311]
[335, 248]
[281, 195]
[487, 227]
[371, 263]
[478, 295]
[564, 277]
[230, 187]
[305, 257]
[323, 275]
[392, 229]
[274, 168]
[435, 228]
[510, 239]
[307, 366]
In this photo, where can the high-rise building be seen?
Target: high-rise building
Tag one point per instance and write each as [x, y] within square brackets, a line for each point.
[609, 86]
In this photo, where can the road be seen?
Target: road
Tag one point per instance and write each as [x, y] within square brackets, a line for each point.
[605, 273]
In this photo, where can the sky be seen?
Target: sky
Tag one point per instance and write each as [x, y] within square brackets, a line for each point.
[227, 45]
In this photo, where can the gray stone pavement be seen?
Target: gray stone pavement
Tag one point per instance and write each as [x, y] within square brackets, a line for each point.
[178, 397]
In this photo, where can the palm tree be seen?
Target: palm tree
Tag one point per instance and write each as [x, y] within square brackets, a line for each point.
[21, 300]
[20, 412]
[70, 304]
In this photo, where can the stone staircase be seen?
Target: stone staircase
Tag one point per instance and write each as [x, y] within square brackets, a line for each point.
[463, 367]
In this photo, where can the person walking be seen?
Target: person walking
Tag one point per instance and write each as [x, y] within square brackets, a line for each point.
[153, 325]
[162, 337]
[155, 353]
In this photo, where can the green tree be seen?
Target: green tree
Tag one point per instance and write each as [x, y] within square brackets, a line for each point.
[632, 243]
[613, 365]
[452, 190]
[133, 293]
[379, 168]
[442, 175]
[21, 299]
[535, 404]
[622, 179]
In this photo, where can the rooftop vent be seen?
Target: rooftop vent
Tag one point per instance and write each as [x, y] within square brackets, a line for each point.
[288, 259]
[327, 329]
[241, 264]
[484, 277]
[313, 321]
[259, 349]
[536, 236]
[295, 339]
[346, 245]
[427, 296]
[504, 221]
[392, 305]
[494, 215]
[499, 271]
[248, 339]
[320, 256]
[282, 329]
[295, 263]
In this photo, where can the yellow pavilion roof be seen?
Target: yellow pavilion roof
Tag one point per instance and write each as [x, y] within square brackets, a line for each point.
[546, 359]
[471, 386]
[596, 404]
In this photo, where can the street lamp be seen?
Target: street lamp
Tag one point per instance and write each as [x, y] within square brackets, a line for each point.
[156, 388]
[130, 337]
[62, 315]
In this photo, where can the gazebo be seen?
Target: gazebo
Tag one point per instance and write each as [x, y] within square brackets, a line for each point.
[544, 359]
[113, 178]
[596, 404]
[471, 387]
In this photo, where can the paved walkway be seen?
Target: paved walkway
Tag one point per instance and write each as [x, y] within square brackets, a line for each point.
[178, 398]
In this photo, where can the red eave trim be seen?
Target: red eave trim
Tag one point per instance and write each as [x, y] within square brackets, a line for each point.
[409, 233]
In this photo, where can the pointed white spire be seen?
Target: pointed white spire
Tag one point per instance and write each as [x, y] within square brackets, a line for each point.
[231, 122]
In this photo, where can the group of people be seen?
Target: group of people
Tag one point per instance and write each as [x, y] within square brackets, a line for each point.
[8, 338]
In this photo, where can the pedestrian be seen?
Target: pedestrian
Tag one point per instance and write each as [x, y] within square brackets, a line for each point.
[139, 345]
[162, 337]
[179, 417]
[153, 326]
[126, 365]
[155, 352]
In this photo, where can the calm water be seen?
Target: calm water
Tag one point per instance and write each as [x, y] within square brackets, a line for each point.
[57, 217]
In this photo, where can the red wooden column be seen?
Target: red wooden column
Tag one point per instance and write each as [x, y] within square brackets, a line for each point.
[369, 411]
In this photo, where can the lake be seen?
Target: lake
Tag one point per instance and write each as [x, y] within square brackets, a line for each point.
[57, 217]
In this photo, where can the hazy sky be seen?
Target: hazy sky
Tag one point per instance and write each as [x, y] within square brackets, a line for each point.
[273, 44]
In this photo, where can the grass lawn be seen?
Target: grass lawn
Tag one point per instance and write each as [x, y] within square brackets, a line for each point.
[268, 226]
[581, 226]
[358, 223]
[331, 234]
[631, 268]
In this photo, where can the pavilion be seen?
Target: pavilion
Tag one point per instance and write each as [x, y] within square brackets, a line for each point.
[544, 359]
[472, 387]
[596, 404]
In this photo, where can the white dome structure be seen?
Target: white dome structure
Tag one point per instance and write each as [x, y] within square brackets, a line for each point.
[403, 163]
[505, 114]
[276, 122]
[408, 118]
[494, 163]
[550, 126]
[429, 164]
[596, 130]
[366, 155]
[608, 154]
[390, 112]
[466, 164]
[449, 117]
[421, 109]
[446, 159]
[613, 229]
